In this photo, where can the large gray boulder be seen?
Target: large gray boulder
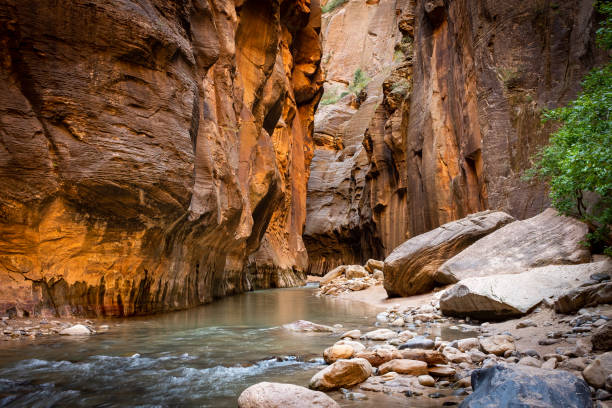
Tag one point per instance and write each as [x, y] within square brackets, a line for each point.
[510, 295]
[503, 386]
[277, 395]
[546, 239]
[410, 268]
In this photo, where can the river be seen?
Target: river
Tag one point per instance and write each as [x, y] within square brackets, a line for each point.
[202, 357]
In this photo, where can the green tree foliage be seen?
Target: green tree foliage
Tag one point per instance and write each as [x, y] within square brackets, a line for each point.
[360, 81]
[331, 5]
[578, 159]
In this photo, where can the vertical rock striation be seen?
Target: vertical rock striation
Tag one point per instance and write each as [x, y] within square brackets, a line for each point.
[455, 123]
[151, 150]
[360, 39]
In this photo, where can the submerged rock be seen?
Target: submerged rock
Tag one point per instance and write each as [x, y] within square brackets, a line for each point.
[341, 374]
[410, 268]
[277, 395]
[546, 239]
[306, 326]
[503, 386]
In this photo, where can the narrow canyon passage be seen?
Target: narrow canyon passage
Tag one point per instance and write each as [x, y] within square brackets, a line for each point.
[305, 203]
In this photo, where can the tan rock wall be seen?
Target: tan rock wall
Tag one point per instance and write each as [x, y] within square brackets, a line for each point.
[149, 148]
[455, 123]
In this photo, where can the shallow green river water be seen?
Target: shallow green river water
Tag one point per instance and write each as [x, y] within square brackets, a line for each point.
[201, 357]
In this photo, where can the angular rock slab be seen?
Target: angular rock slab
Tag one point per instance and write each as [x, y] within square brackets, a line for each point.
[577, 298]
[277, 395]
[502, 386]
[510, 295]
[411, 267]
[546, 239]
[341, 374]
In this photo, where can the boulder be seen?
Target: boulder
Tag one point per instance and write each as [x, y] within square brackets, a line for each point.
[586, 296]
[546, 239]
[357, 346]
[602, 337]
[468, 344]
[352, 334]
[426, 380]
[277, 395]
[355, 271]
[378, 275]
[455, 356]
[341, 374]
[373, 265]
[511, 295]
[357, 285]
[411, 267]
[530, 361]
[76, 330]
[380, 335]
[333, 274]
[497, 344]
[429, 356]
[404, 366]
[503, 386]
[337, 352]
[379, 356]
[441, 371]
[418, 343]
[597, 372]
[306, 326]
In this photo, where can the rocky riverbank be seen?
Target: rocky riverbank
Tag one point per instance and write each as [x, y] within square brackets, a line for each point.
[475, 308]
[18, 328]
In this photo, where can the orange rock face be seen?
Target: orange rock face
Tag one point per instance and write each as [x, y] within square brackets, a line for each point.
[154, 155]
[456, 118]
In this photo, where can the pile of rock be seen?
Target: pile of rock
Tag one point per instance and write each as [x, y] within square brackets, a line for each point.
[347, 278]
[19, 328]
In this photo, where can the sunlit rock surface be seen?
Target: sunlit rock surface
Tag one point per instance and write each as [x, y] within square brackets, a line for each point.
[154, 154]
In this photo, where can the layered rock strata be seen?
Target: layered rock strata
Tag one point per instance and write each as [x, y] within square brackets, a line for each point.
[361, 43]
[457, 123]
[152, 150]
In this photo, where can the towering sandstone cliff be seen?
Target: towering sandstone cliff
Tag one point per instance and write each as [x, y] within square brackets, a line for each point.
[154, 154]
[452, 128]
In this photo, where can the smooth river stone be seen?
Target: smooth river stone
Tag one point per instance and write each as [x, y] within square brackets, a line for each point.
[277, 395]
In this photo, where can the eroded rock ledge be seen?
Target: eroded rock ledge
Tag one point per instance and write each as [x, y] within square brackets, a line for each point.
[152, 150]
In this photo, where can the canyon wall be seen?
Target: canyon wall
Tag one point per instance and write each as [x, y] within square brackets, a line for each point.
[456, 124]
[154, 155]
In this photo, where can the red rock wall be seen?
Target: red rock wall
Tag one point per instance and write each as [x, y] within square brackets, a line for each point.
[148, 148]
